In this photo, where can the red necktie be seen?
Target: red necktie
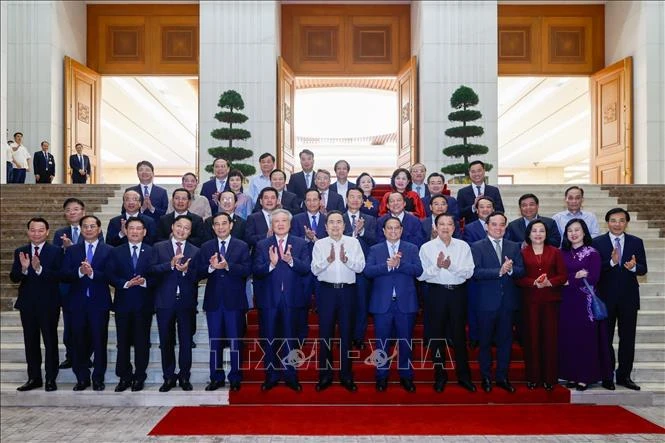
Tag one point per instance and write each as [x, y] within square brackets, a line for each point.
[36, 251]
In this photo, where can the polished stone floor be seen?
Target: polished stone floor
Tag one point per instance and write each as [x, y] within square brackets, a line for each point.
[66, 424]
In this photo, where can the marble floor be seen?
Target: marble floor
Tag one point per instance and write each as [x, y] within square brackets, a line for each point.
[67, 424]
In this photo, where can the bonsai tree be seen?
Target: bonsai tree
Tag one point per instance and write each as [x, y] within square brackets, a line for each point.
[463, 99]
[231, 102]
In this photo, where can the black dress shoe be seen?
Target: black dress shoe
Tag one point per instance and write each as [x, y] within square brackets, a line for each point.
[571, 384]
[349, 385]
[381, 385]
[466, 384]
[166, 387]
[358, 344]
[407, 384]
[30, 385]
[193, 344]
[81, 386]
[124, 384]
[440, 384]
[235, 386]
[323, 384]
[486, 384]
[214, 385]
[268, 385]
[505, 385]
[137, 385]
[185, 385]
[581, 387]
[50, 386]
[628, 383]
[548, 386]
[609, 385]
[294, 385]
[98, 386]
[66, 364]
[531, 385]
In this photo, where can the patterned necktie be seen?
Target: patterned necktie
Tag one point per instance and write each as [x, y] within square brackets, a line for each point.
[478, 188]
[617, 246]
[499, 252]
[178, 248]
[75, 234]
[222, 183]
[314, 225]
[353, 221]
[145, 191]
[324, 199]
[222, 249]
[281, 247]
[36, 254]
[394, 250]
[135, 257]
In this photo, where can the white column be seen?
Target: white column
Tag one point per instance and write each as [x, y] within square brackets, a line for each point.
[239, 49]
[456, 44]
[636, 29]
[39, 35]
[3, 92]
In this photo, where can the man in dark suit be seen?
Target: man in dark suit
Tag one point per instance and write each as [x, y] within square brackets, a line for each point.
[227, 201]
[85, 268]
[393, 266]
[285, 199]
[36, 267]
[64, 238]
[438, 204]
[303, 180]
[226, 263]
[216, 185]
[468, 196]
[44, 165]
[330, 200]
[477, 229]
[362, 227]
[116, 233]
[496, 298]
[79, 163]
[181, 200]
[280, 263]
[343, 184]
[155, 200]
[622, 259]
[176, 296]
[133, 304]
[258, 223]
[413, 231]
[528, 204]
[435, 186]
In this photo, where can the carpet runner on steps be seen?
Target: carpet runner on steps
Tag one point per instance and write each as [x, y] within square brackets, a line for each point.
[414, 420]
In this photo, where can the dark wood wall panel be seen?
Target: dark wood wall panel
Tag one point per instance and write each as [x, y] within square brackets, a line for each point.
[143, 39]
[346, 39]
[551, 39]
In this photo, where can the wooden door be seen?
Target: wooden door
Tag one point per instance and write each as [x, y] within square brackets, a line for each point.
[285, 132]
[83, 89]
[407, 130]
[612, 124]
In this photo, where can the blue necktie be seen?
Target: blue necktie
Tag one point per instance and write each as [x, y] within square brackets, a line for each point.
[617, 245]
[75, 234]
[222, 249]
[135, 257]
[88, 257]
[145, 191]
[314, 225]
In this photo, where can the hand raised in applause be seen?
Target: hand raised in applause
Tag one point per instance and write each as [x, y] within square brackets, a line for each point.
[310, 234]
[616, 256]
[631, 263]
[24, 258]
[218, 261]
[331, 256]
[66, 241]
[342, 254]
[273, 252]
[442, 261]
[360, 225]
[393, 262]
[506, 267]
[85, 268]
[123, 227]
[287, 257]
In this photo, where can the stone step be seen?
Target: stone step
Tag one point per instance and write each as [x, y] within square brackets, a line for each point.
[649, 372]
[622, 396]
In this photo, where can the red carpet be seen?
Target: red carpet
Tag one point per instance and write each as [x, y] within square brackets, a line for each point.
[414, 420]
[251, 394]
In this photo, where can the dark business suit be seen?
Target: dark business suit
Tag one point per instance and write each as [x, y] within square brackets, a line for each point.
[298, 184]
[114, 228]
[412, 231]
[37, 302]
[394, 313]
[175, 301]
[133, 309]
[453, 206]
[516, 231]
[288, 201]
[428, 223]
[466, 196]
[280, 296]
[238, 230]
[619, 289]
[43, 166]
[90, 303]
[333, 187]
[256, 228]
[166, 221]
[335, 202]
[75, 165]
[209, 188]
[225, 303]
[495, 299]
[158, 198]
[367, 239]
[64, 292]
[474, 231]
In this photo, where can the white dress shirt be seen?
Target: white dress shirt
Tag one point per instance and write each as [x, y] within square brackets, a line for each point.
[32, 251]
[337, 272]
[461, 262]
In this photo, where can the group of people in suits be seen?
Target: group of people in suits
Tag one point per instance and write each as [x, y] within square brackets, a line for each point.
[306, 247]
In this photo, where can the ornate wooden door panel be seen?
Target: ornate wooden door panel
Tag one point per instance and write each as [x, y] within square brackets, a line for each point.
[407, 130]
[285, 132]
